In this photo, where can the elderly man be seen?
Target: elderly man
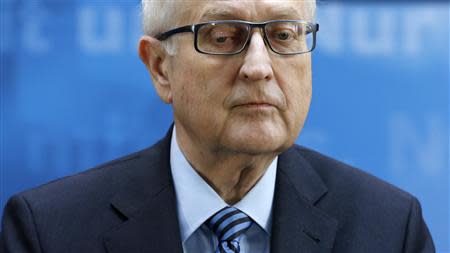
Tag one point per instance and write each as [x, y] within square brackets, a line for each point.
[227, 177]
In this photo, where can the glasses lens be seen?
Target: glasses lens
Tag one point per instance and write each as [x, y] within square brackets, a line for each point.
[290, 37]
[222, 38]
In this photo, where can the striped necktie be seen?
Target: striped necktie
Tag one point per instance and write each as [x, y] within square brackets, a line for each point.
[229, 224]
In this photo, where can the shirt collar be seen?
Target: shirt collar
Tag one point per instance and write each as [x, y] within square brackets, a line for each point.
[197, 201]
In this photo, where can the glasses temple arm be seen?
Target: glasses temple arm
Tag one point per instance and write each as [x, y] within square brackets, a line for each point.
[166, 35]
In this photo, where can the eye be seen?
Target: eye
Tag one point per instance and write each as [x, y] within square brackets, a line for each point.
[283, 35]
[221, 39]
[221, 35]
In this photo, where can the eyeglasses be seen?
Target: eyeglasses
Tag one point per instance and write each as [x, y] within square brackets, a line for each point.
[228, 37]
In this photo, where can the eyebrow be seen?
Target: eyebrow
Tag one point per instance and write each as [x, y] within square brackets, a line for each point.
[229, 13]
[219, 13]
[286, 13]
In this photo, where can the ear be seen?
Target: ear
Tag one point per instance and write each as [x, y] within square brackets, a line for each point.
[155, 57]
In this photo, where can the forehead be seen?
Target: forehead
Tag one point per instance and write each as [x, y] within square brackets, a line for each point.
[262, 10]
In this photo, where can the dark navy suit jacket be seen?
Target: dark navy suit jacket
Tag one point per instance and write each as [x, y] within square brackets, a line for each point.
[128, 206]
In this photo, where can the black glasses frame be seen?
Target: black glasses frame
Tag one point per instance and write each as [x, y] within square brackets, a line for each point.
[196, 27]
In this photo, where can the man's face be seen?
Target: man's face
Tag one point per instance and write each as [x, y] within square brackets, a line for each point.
[254, 102]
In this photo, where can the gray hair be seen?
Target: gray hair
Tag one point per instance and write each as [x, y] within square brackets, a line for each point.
[159, 16]
[156, 18]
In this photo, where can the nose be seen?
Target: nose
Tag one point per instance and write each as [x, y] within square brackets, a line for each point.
[257, 64]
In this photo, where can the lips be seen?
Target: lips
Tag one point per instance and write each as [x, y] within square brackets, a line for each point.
[255, 105]
[256, 99]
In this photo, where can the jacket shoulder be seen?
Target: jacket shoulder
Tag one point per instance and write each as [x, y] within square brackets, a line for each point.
[81, 202]
[99, 180]
[370, 211]
[344, 178]
[75, 211]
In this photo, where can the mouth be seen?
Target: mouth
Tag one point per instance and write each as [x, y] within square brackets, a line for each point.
[255, 105]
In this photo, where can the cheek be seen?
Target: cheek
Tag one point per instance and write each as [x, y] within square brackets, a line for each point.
[200, 88]
[296, 85]
[303, 91]
[191, 95]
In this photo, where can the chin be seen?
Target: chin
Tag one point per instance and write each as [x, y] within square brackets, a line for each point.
[254, 140]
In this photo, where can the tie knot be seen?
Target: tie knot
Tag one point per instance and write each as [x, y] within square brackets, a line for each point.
[229, 223]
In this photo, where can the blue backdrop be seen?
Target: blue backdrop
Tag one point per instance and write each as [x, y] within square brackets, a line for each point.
[75, 94]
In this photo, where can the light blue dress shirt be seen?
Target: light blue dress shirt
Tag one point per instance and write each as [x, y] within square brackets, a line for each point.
[197, 201]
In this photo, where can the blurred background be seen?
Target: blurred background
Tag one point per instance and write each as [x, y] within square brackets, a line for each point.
[74, 93]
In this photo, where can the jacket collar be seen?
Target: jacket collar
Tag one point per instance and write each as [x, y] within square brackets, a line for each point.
[298, 225]
[147, 204]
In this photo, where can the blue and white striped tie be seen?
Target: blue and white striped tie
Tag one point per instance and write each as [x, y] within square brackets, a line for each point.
[229, 224]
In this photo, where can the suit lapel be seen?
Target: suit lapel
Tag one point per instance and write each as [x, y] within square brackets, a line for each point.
[299, 226]
[147, 204]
